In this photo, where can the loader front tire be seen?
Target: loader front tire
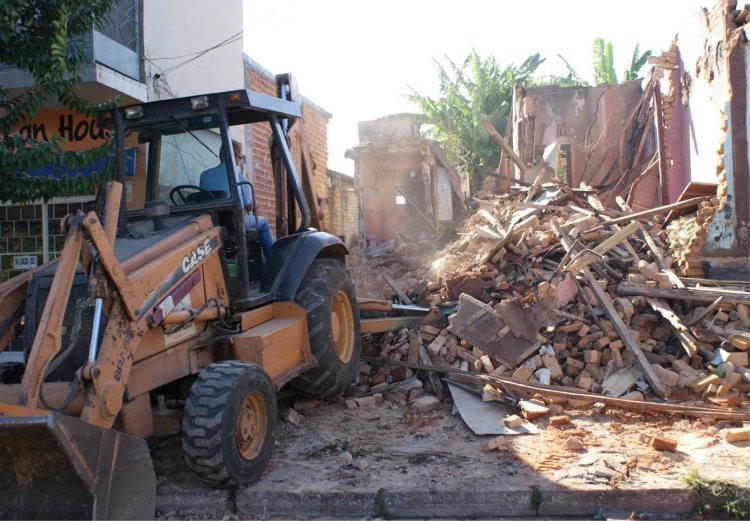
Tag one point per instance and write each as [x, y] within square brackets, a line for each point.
[328, 296]
[230, 424]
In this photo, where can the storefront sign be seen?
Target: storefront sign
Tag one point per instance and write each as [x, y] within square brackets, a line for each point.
[76, 133]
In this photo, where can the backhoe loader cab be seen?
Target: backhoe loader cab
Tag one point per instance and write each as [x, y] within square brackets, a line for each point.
[162, 305]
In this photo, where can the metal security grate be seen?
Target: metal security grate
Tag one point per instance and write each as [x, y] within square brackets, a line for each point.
[36, 299]
[122, 24]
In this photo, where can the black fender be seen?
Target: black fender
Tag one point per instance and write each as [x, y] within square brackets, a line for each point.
[290, 258]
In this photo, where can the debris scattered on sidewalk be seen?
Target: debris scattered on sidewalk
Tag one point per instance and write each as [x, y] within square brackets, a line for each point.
[739, 434]
[574, 443]
[291, 416]
[662, 443]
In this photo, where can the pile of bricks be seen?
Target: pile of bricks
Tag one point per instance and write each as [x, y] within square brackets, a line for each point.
[617, 321]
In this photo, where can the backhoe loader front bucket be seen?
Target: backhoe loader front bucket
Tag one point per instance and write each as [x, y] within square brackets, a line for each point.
[57, 467]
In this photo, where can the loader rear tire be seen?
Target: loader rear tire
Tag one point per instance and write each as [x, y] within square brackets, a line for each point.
[230, 424]
[327, 294]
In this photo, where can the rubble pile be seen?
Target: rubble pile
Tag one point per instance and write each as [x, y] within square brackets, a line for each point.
[404, 262]
[560, 293]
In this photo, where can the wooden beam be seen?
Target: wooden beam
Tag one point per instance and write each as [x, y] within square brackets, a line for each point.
[660, 146]
[542, 171]
[706, 311]
[568, 393]
[537, 206]
[609, 309]
[689, 294]
[394, 286]
[381, 325]
[645, 214]
[505, 147]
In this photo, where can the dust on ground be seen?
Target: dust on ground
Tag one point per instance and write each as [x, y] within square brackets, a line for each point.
[389, 446]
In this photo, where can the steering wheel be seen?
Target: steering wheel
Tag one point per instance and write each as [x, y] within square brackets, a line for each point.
[178, 190]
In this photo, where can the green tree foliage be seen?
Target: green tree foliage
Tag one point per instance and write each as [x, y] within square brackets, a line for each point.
[636, 63]
[572, 79]
[479, 88]
[476, 89]
[604, 62]
[44, 38]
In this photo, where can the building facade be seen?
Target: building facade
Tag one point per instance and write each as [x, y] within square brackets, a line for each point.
[138, 57]
[342, 208]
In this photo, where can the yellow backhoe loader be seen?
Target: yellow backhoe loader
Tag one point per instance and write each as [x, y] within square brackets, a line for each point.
[162, 295]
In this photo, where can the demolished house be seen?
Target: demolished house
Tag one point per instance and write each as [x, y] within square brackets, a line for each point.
[600, 138]
[615, 269]
[681, 133]
[406, 186]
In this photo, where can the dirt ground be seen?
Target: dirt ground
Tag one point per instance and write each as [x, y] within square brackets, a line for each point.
[389, 446]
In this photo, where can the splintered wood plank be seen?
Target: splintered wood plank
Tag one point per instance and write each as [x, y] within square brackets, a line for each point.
[678, 328]
[706, 311]
[620, 382]
[522, 219]
[432, 378]
[597, 204]
[673, 278]
[645, 214]
[395, 287]
[505, 147]
[606, 245]
[609, 309]
[479, 325]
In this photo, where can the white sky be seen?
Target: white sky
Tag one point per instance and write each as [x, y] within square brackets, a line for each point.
[356, 58]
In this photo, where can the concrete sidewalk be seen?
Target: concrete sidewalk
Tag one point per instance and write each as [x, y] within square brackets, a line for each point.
[388, 460]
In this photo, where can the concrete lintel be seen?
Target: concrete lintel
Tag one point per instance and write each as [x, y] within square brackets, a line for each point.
[130, 88]
[98, 84]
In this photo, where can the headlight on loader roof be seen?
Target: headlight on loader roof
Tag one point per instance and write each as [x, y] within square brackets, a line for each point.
[199, 102]
[133, 112]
